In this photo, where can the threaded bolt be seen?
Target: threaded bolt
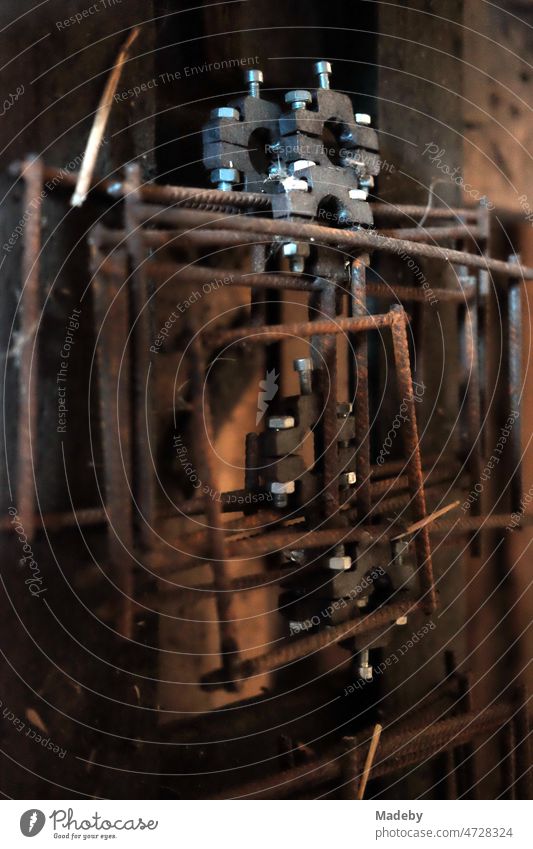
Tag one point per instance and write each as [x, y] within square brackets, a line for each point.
[254, 79]
[365, 670]
[304, 367]
[322, 71]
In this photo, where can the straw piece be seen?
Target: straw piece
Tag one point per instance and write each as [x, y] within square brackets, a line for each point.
[100, 122]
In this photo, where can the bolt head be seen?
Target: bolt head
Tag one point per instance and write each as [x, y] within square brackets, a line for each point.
[322, 67]
[303, 364]
[340, 564]
[225, 175]
[281, 422]
[254, 76]
[402, 620]
[225, 112]
[363, 118]
[298, 95]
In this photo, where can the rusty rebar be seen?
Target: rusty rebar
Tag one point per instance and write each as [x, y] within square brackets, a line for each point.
[412, 449]
[296, 649]
[353, 241]
[362, 414]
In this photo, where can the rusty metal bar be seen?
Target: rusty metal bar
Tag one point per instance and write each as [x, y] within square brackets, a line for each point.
[155, 193]
[398, 750]
[296, 649]
[430, 234]
[144, 481]
[229, 647]
[280, 332]
[30, 308]
[412, 447]
[362, 414]
[111, 308]
[352, 241]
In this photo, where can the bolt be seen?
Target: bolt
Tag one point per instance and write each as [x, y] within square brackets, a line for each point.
[225, 178]
[225, 112]
[281, 422]
[362, 602]
[281, 491]
[254, 80]
[297, 253]
[304, 367]
[322, 71]
[365, 670]
[363, 118]
[402, 620]
[347, 479]
[298, 99]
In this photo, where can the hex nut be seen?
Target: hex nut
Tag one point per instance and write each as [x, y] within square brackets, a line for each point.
[295, 249]
[340, 564]
[298, 98]
[281, 422]
[279, 488]
[358, 194]
[225, 175]
[225, 112]
[348, 479]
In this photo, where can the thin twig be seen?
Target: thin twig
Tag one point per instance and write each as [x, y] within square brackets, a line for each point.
[369, 759]
[427, 520]
[100, 122]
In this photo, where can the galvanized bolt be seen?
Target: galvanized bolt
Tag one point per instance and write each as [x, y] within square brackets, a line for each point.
[347, 479]
[254, 79]
[365, 670]
[363, 118]
[297, 253]
[298, 99]
[322, 71]
[225, 178]
[304, 367]
[281, 422]
[281, 491]
[225, 112]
